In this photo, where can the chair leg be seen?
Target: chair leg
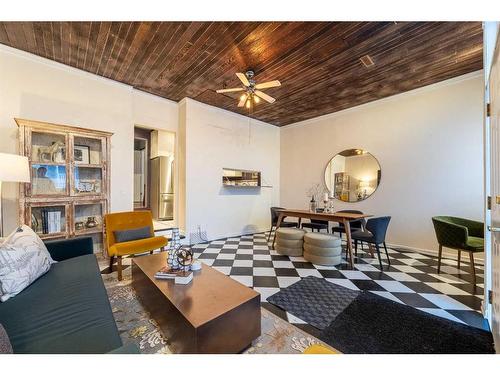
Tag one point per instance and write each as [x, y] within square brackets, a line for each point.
[362, 247]
[458, 259]
[379, 257]
[473, 268]
[151, 252]
[119, 268]
[387, 253]
[356, 247]
[111, 261]
[270, 231]
[439, 257]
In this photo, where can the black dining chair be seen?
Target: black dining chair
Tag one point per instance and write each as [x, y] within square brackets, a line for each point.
[274, 221]
[376, 229]
[354, 224]
[316, 224]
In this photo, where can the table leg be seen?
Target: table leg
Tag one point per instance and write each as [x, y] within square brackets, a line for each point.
[278, 223]
[347, 228]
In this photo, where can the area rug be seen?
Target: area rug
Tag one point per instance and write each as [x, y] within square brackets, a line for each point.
[314, 300]
[377, 325]
[136, 326]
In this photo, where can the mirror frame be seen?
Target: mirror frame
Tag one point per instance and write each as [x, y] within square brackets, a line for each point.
[338, 153]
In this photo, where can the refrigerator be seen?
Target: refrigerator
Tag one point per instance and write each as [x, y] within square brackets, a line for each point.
[162, 187]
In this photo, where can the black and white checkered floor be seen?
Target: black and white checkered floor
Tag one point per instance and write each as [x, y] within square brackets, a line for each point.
[411, 279]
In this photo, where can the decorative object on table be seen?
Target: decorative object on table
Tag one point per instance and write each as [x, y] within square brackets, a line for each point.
[312, 204]
[325, 202]
[81, 154]
[175, 241]
[314, 191]
[51, 153]
[329, 205]
[14, 168]
[172, 261]
[185, 259]
[79, 225]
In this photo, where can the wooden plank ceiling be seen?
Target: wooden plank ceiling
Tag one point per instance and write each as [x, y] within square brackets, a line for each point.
[318, 63]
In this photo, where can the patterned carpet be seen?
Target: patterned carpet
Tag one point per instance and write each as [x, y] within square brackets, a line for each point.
[136, 326]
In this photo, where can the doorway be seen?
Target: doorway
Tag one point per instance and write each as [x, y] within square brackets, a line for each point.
[142, 166]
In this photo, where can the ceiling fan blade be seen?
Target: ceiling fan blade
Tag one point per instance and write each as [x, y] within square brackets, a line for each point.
[243, 78]
[230, 90]
[266, 85]
[243, 99]
[264, 96]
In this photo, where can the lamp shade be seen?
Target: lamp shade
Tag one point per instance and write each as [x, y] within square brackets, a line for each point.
[14, 168]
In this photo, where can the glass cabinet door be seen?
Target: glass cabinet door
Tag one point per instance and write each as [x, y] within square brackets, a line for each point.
[48, 179]
[48, 220]
[48, 164]
[88, 217]
[87, 180]
[88, 151]
[48, 147]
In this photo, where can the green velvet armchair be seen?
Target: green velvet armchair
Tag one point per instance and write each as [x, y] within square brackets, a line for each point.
[459, 234]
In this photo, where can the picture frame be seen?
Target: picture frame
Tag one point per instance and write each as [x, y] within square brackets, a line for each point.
[81, 154]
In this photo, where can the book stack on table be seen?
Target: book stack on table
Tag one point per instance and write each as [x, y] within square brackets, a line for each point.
[180, 276]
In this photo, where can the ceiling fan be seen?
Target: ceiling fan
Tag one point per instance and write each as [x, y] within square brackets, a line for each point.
[253, 92]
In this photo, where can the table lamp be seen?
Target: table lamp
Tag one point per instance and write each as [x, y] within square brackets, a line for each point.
[13, 168]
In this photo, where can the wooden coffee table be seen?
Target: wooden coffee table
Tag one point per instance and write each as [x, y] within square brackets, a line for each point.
[212, 314]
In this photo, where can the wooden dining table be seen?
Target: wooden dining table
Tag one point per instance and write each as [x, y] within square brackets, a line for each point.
[340, 217]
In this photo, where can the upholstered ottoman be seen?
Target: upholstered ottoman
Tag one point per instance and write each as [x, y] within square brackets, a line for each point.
[323, 249]
[289, 241]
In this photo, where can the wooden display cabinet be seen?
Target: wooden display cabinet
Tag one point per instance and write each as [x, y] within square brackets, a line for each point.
[69, 191]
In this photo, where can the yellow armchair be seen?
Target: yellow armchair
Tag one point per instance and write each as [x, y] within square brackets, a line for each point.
[119, 221]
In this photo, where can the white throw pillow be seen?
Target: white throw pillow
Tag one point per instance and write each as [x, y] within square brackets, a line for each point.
[23, 259]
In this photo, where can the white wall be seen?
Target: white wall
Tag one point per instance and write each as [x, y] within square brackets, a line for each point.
[429, 145]
[39, 89]
[217, 139]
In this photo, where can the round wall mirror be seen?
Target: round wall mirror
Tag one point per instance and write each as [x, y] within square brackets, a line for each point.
[352, 175]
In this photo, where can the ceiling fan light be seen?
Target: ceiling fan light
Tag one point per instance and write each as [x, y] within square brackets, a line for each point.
[256, 99]
[248, 104]
[242, 97]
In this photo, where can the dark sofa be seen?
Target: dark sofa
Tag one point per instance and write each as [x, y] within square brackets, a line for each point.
[66, 310]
